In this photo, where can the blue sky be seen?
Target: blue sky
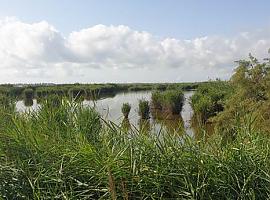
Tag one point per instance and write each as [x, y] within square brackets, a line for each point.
[159, 28]
[183, 19]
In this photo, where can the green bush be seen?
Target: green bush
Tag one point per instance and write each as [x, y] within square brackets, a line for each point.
[209, 99]
[251, 96]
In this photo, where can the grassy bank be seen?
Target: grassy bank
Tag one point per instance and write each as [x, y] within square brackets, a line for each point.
[68, 152]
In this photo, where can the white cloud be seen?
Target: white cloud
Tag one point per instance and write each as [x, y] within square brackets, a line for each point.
[38, 52]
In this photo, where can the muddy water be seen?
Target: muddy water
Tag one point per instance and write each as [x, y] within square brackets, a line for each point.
[110, 109]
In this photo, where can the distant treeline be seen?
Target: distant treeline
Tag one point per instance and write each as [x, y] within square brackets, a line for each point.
[38, 91]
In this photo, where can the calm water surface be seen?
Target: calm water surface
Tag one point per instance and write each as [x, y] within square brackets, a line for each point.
[110, 109]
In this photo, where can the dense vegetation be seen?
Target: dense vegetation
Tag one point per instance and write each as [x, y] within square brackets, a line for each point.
[67, 152]
[89, 91]
[244, 99]
[251, 98]
[209, 99]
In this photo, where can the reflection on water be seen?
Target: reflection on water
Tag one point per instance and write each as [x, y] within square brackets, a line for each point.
[187, 113]
[28, 102]
[202, 131]
[110, 109]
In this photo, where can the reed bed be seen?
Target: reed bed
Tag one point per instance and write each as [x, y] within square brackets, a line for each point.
[69, 152]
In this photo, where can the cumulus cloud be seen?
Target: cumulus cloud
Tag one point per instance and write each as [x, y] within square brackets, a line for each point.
[38, 52]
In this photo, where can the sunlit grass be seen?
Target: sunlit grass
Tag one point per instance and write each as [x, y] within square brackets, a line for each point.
[68, 152]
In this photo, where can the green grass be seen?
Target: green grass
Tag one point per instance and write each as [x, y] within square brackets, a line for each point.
[69, 152]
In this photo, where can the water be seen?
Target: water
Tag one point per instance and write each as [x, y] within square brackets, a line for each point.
[187, 113]
[110, 109]
[21, 106]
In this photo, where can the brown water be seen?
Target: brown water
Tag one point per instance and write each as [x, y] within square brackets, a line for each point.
[110, 109]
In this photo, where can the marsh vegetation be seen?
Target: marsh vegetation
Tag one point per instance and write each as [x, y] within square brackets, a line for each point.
[126, 109]
[67, 150]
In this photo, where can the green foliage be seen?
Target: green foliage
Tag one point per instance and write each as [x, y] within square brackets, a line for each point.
[169, 101]
[251, 81]
[5, 102]
[144, 109]
[209, 99]
[126, 109]
[7, 108]
[156, 99]
[173, 101]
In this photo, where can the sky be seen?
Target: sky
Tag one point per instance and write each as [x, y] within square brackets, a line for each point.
[91, 41]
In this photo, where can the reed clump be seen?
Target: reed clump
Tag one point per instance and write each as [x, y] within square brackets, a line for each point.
[144, 109]
[126, 109]
[28, 102]
[170, 102]
[28, 93]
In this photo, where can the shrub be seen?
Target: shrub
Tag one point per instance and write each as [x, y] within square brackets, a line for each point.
[210, 99]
